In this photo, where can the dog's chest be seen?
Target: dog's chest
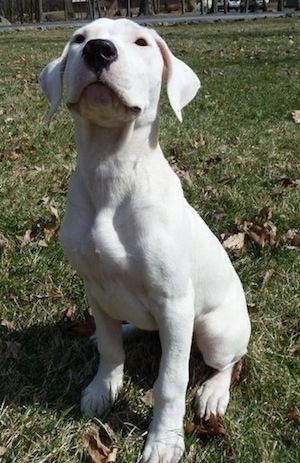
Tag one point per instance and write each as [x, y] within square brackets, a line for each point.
[108, 256]
[95, 247]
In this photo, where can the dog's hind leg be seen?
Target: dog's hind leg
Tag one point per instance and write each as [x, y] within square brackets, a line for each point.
[222, 337]
[108, 381]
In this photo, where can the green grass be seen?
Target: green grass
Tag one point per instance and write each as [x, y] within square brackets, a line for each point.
[237, 139]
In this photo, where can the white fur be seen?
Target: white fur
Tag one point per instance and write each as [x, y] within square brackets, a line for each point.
[144, 254]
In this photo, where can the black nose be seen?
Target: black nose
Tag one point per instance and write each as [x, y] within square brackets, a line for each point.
[99, 54]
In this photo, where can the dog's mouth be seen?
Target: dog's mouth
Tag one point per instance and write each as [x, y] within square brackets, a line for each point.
[102, 94]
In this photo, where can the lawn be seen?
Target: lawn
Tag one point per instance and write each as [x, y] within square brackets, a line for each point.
[237, 152]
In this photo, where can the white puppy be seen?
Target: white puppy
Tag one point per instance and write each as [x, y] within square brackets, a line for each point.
[144, 254]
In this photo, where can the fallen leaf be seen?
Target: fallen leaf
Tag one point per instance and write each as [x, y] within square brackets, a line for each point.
[293, 415]
[9, 156]
[235, 242]
[198, 142]
[98, 452]
[268, 275]
[260, 229]
[86, 327]
[147, 398]
[236, 373]
[3, 451]
[292, 238]
[209, 189]
[51, 227]
[26, 238]
[211, 427]
[112, 457]
[296, 116]
[68, 313]
[295, 348]
[214, 160]
[182, 173]
[48, 229]
[7, 324]
[286, 181]
[5, 245]
[252, 308]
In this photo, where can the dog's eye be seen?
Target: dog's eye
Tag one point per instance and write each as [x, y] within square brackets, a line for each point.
[79, 38]
[141, 42]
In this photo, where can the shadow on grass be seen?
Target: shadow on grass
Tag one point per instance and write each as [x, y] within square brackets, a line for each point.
[49, 365]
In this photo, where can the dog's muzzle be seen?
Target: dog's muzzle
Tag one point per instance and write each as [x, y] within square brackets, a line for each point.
[99, 54]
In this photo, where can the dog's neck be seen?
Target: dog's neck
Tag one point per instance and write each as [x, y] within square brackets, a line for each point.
[105, 144]
[108, 157]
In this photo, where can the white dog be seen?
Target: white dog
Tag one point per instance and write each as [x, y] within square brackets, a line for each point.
[144, 254]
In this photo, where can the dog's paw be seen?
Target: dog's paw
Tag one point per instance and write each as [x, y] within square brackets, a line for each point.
[165, 447]
[212, 397]
[97, 397]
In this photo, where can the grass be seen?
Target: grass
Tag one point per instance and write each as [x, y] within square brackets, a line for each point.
[237, 139]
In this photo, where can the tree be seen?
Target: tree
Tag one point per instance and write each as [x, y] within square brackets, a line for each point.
[214, 6]
[39, 10]
[279, 5]
[146, 8]
[69, 9]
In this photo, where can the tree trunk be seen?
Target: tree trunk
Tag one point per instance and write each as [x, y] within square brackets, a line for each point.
[91, 9]
[69, 9]
[128, 9]
[280, 5]
[214, 6]
[146, 8]
[39, 10]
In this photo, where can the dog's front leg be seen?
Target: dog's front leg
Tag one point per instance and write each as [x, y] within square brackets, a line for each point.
[108, 381]
[165, 442]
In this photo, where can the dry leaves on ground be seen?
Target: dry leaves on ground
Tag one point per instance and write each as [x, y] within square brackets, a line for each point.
[292, 238]
[287, 181]
[252, 308]
[296, 116]
[211, 427]
[181, 171]
[7, 324]
[147, 397]
[236, 373]
[293, 415]
[98, 452]
[44, 229]
[258, 229]
[295, 348]
[236, 243]
[5, 245]
[85, 327]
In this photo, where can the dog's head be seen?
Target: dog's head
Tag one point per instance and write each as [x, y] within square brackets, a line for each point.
[113, 69]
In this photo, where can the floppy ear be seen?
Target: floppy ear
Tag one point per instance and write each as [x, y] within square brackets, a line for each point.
[182, 82]
[51, 80]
